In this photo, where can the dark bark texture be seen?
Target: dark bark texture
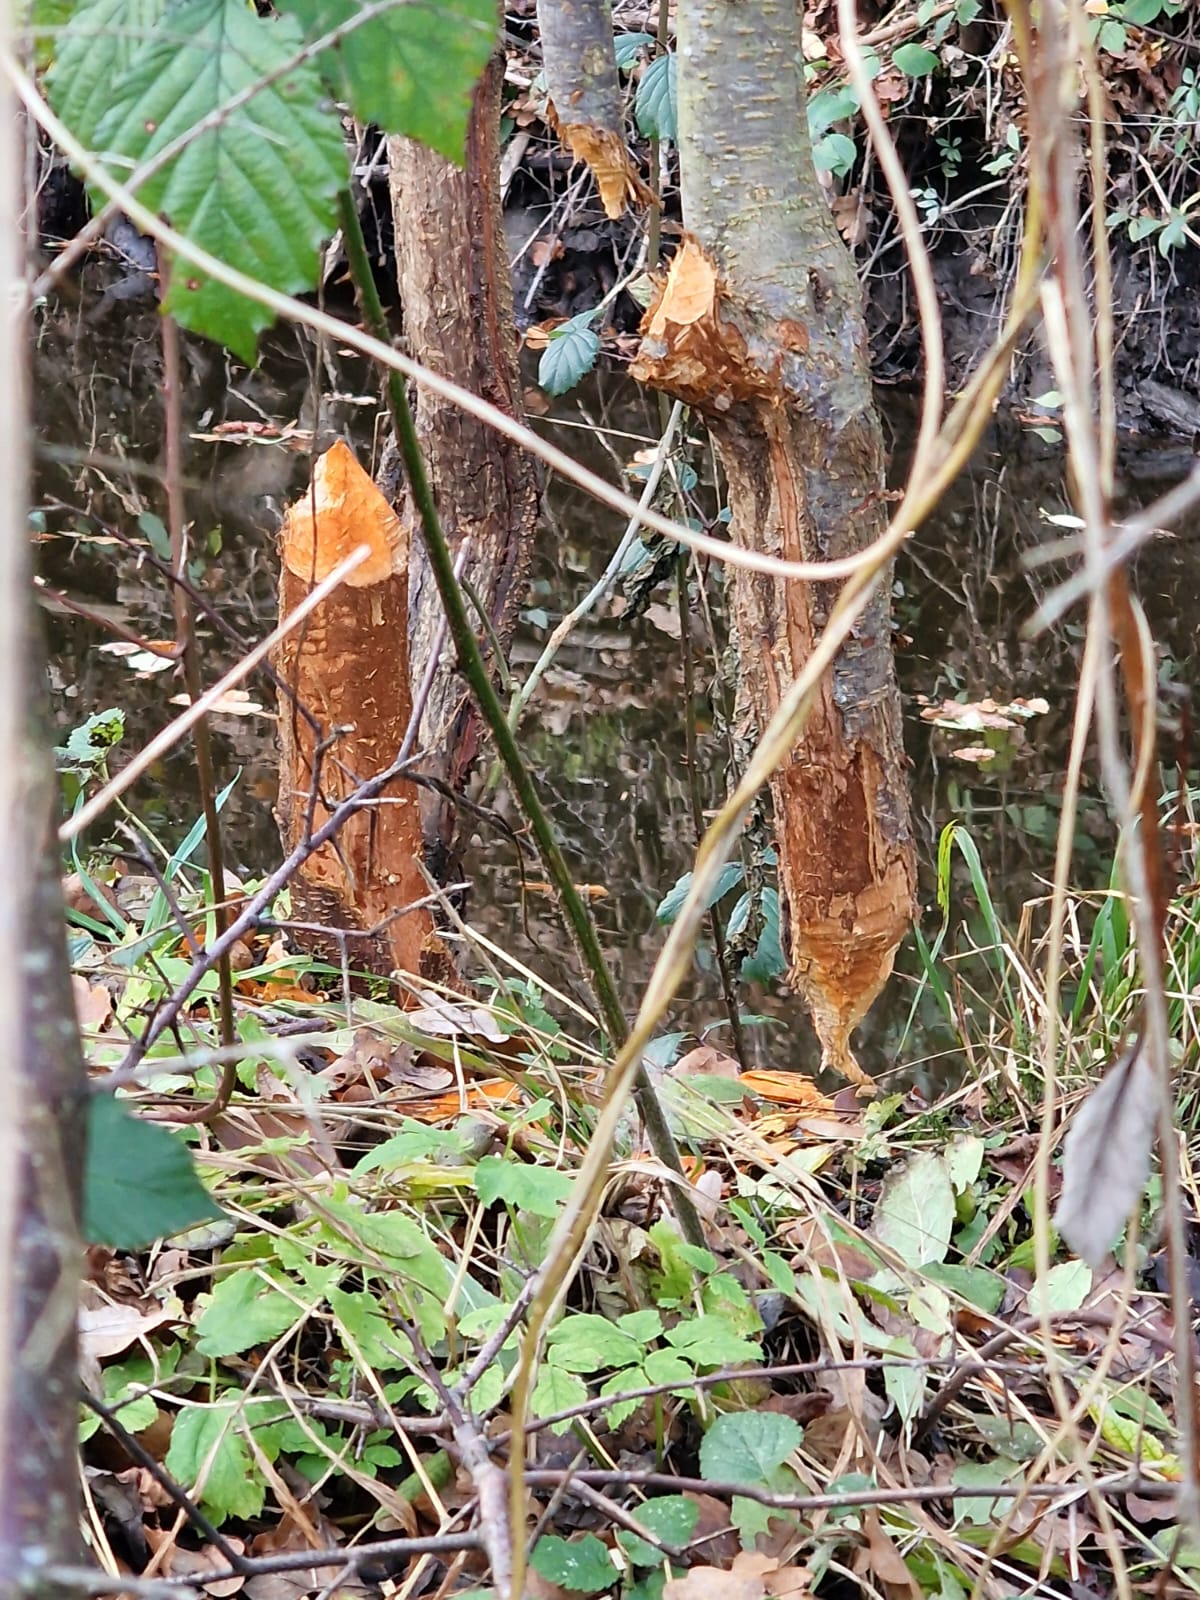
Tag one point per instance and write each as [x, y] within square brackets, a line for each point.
[455, 290]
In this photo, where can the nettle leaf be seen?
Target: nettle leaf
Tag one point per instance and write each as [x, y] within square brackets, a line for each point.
[540, 1190]
[748, 1446]
[915, 1210]
[94, 50]
[570, 355]
[229, 1484]
[139, 1183]
[411, 69]
[671, 1518]
[257, 189]
[580, 1564]
[656, 108]
[244, 1310]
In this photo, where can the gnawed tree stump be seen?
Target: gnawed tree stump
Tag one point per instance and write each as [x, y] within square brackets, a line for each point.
[348, 667]
[760, 328]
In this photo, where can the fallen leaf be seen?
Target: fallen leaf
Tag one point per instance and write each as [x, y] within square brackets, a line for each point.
[1106, 1157]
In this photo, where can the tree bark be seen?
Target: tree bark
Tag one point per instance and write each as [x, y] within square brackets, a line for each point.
[456, 294]
[348, 668]
[760, 327]
[585, 94]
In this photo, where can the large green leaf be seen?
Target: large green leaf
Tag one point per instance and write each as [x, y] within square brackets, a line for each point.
[94, 49]
[258, 187]
[410, 69]
[139, 1183]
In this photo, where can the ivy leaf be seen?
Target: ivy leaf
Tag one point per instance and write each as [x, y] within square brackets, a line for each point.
[580, 1564]
[257, 189]
[748, 1446]
[570, 355]
[243, 1310]
[411, 69]
[656, 108]
[94, 50]
[231, 1487]
[914, 60]
[138, 1183]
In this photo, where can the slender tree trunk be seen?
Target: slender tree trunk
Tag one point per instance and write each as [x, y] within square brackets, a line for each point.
[585, 94]
[456, 294]
[760, 327]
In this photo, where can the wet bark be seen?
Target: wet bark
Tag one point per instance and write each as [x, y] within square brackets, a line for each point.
[585, 94]
[347, 665]
[760, 327]
[456, 294]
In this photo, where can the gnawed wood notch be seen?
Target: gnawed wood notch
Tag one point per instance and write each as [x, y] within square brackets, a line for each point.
[348, 667]
[790, 409]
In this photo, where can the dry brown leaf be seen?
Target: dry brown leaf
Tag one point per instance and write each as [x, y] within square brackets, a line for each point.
[1106, 1157]
[93, 1003]
[788, 1088]
[711, 1583]
[706, 1061]
[690, 292]
[342, 510]
[107, 1327]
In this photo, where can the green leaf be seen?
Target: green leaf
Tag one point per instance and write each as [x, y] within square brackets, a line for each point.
[656, 108]
[905, 1386]
[828, 106]
[365, 1323]
[244, 1310]
[139, 1183]
[748, 1446]
[976, 1285]
[712, 1341]
[570, 355]
[836, 153]
[541, 1190]
[206, 1450]
[643, 1325]
[1064, 1288]
[671, 904]
[914, 60]
[915, 1210]
[94, 50]
[257, 189]
[411, 69]
[556, 1390]
[580, 1564]
[767, 963]
[672, 1518]
[583, 1342]
[626, 47]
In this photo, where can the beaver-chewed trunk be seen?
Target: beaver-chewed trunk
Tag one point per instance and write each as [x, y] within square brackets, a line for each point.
[760, 327]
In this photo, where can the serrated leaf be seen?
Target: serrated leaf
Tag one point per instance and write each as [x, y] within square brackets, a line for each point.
[1106, 1157]
[411, 69]
[139, 1183]
[258, 188]
[540, 1190]
[915, 1211]
[914, 60]
[229, 1485]
[712, 1341]
[656, 108]
[93, 51]
[670, 1518]
[244, 1310]
[556, 1390]
[748, 1446]
[570, 355]
[584, 1342]
[580, 1564]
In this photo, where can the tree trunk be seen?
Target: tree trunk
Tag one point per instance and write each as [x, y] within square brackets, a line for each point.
[760, 327]
[347, 666]
[456, 294]
[585, 94]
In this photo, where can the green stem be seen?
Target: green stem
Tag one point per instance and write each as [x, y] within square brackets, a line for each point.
[470, 658]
